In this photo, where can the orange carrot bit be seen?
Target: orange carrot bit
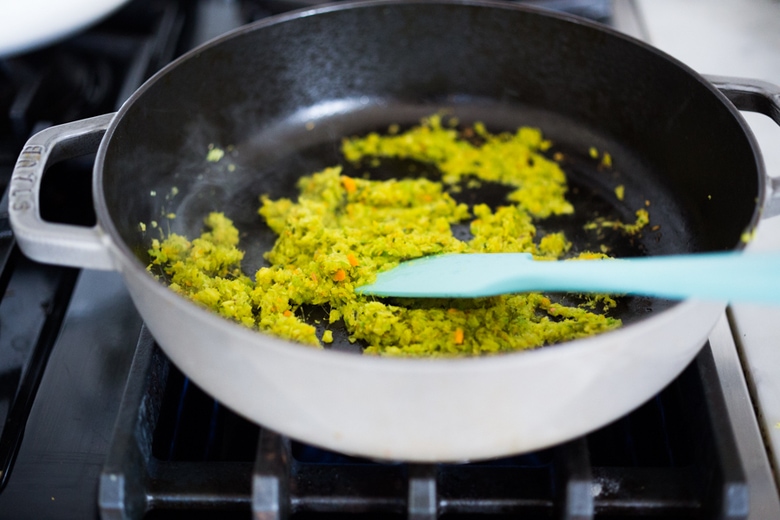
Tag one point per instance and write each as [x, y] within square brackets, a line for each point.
[340, 275]
[287, 313]
[314, 277]
[458, 336]
[349, 184]
[352, 260]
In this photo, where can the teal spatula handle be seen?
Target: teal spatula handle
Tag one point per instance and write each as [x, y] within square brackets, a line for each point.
[732, 276]
[728, 276]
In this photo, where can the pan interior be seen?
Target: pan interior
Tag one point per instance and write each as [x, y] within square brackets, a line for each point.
[300, 146]
[277, 99]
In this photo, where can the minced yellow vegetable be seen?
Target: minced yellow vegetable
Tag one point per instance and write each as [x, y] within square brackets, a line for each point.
[515, 159]
[642, 219]
[341, 231]
[215, 154]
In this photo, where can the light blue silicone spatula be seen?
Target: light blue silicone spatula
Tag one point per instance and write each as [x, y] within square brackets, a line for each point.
[728, 276]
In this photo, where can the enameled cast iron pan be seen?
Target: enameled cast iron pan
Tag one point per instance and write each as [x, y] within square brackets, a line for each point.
[284, 91]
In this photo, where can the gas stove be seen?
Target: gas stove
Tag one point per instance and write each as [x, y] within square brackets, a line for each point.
[97, 423]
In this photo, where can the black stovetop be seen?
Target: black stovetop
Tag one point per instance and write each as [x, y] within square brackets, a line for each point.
[176, 450]
[97, 423]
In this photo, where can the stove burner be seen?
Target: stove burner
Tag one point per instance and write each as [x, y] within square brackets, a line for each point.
[674, 457]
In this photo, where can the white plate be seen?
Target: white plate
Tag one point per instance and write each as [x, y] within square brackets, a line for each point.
[28, 24]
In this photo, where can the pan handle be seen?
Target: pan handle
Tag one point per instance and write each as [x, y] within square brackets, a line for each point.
[48, 242]
[758, 96]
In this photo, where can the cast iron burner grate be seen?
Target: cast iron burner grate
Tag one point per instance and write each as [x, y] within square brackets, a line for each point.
[89, 74]
[177, 453]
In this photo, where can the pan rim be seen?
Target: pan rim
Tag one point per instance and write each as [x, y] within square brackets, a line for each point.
[132, 268]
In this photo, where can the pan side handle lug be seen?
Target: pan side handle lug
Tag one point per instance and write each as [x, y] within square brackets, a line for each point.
[49, 242]
[761, 97]
[772, 208]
